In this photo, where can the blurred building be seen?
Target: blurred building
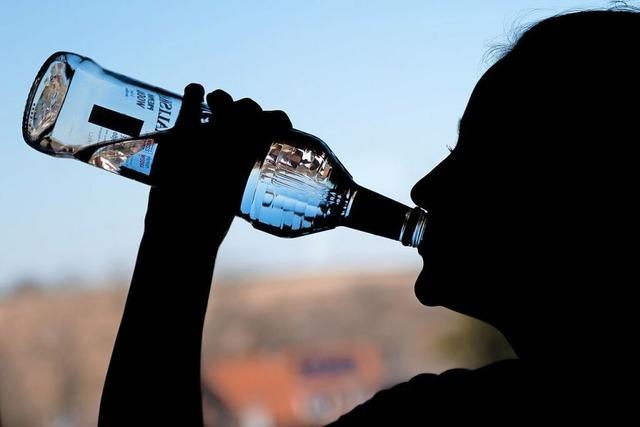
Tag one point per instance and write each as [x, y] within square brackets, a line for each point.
[294, 387]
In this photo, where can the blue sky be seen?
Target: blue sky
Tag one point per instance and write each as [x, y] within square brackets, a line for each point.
[383, 83]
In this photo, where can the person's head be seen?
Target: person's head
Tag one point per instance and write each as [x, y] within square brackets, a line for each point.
[527, 213]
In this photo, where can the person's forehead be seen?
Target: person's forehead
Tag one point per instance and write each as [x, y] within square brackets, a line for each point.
[488, 96]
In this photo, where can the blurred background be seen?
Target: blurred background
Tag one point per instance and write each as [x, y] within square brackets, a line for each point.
[298, 331]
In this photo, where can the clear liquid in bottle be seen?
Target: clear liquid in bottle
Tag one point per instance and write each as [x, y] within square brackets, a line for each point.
[295, 191]
[77, 109]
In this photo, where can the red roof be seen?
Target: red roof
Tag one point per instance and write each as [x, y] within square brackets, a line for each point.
[297, 386]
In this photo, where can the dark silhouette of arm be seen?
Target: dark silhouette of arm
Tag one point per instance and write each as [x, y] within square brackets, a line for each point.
[154, 372]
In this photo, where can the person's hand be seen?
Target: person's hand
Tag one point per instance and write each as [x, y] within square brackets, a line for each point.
[201, 170]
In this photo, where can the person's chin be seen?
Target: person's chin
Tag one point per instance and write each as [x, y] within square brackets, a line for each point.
[424, 289]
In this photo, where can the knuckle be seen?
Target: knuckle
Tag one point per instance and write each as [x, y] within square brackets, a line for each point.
[194, 91]
[248, 105]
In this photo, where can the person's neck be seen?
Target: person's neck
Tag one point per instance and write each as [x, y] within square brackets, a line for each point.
[529, 342]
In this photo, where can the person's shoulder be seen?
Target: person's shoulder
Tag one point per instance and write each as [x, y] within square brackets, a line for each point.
[498, 381]
[452, 394]
[504, 373]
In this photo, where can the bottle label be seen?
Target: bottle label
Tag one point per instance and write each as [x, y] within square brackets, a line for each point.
[131, 154]
[142, 160]
[100, 108]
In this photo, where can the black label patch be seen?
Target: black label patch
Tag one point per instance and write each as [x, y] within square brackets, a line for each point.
[115, 121]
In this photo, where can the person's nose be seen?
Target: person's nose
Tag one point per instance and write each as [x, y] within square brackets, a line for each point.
[433, 186]
[420, 193]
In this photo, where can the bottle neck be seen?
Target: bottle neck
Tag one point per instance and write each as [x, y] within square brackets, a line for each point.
[414, 227]
[376, 214]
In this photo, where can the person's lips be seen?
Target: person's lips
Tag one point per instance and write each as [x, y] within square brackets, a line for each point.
[421, 248]
[426, 236]
[424, 287]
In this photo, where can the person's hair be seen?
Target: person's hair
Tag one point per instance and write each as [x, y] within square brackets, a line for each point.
[571, 77]
[514, 36]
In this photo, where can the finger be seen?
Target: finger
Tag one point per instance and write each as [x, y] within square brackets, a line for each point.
[276, 120]
[193, 91]
[219, 101]
[246, 107]
[191, 108]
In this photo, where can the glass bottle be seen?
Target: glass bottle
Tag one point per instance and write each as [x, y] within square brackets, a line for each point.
[76, 109]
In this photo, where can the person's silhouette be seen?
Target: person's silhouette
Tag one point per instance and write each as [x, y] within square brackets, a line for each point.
[530, 226]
